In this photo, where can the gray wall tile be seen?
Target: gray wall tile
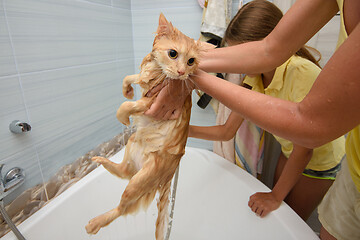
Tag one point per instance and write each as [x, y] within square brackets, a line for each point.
[7, 61]
[55, 34]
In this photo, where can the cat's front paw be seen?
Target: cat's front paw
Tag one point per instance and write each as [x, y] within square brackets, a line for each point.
[124, 119]
[122, 114]
[128, 91]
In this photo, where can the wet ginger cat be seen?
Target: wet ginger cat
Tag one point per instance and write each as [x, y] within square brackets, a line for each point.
[153, 153]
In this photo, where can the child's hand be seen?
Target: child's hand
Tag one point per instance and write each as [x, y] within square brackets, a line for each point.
[263, 203]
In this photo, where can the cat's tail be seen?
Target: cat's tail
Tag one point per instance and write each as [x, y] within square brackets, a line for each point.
[163, 211]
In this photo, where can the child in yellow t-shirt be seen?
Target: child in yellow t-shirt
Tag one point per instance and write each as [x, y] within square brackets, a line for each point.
[302, 175]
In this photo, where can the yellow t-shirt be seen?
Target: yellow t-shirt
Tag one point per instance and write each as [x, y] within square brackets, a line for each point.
[292, 81]
[353, 139]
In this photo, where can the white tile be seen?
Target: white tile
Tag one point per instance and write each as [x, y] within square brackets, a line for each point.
[54, 34]
[327, 39]
[10, 96]
[145, 4]
[7, 60]
[126, 4]
[104, 2]
[187, 20]
[142, 47]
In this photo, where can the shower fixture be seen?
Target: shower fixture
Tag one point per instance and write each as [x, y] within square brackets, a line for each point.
[19, 127]
[13, 179]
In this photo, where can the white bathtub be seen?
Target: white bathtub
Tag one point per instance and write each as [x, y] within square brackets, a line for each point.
[211, 203]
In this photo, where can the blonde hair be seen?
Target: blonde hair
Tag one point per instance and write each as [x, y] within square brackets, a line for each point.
[254, 21]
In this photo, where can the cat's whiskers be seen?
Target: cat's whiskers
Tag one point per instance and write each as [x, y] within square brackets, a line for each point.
[193, 82]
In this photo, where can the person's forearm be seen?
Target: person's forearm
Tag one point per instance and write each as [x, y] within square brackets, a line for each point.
[291, 173]
[213, 133]
[269, 53]
[275, 115]
[248, 58]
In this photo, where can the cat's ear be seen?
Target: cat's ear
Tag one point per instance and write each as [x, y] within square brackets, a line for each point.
[164, 25]
[203, 46]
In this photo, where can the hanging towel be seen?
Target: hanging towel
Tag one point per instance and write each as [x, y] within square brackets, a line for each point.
[213, 37]
[216, 17]
[226, 149]
[249, 148]
[246, 149]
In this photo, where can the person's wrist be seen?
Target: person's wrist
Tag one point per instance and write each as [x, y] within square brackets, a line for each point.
[277, 195]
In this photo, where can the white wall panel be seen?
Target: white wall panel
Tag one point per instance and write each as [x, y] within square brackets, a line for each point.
[55, 34]
[7, 61]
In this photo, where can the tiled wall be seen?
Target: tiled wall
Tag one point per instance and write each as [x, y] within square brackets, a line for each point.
[61, 66]
[326, 39]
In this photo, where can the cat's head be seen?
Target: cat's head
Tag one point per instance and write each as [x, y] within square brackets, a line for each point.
[176, 54]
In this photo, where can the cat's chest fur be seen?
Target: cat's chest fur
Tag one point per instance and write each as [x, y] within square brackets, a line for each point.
[160, 136]
[157, 135]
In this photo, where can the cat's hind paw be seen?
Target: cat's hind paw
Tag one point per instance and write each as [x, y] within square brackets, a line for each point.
[100, 160]
[100, 221]
[94, 225]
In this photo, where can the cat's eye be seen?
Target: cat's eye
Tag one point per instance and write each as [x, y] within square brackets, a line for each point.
[191, 61]
[173, 54]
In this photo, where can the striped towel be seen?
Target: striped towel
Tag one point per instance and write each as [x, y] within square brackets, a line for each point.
[249, 148]
[226, 148]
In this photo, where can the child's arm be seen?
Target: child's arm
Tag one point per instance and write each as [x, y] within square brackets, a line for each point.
[220, 132]
[264, 203]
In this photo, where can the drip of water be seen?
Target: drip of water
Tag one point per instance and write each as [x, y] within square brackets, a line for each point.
[172, 203]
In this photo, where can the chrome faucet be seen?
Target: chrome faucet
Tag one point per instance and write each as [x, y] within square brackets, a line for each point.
[12, 180]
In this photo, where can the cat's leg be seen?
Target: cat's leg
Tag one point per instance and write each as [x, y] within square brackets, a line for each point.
[103, 220]
[128, 90]
[140, 185]
[126, 169]
[128, 108]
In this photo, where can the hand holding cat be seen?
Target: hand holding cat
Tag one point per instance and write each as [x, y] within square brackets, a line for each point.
[169, 102]
[263, 203]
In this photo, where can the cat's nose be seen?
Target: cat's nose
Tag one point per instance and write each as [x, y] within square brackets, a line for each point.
[180, 72]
